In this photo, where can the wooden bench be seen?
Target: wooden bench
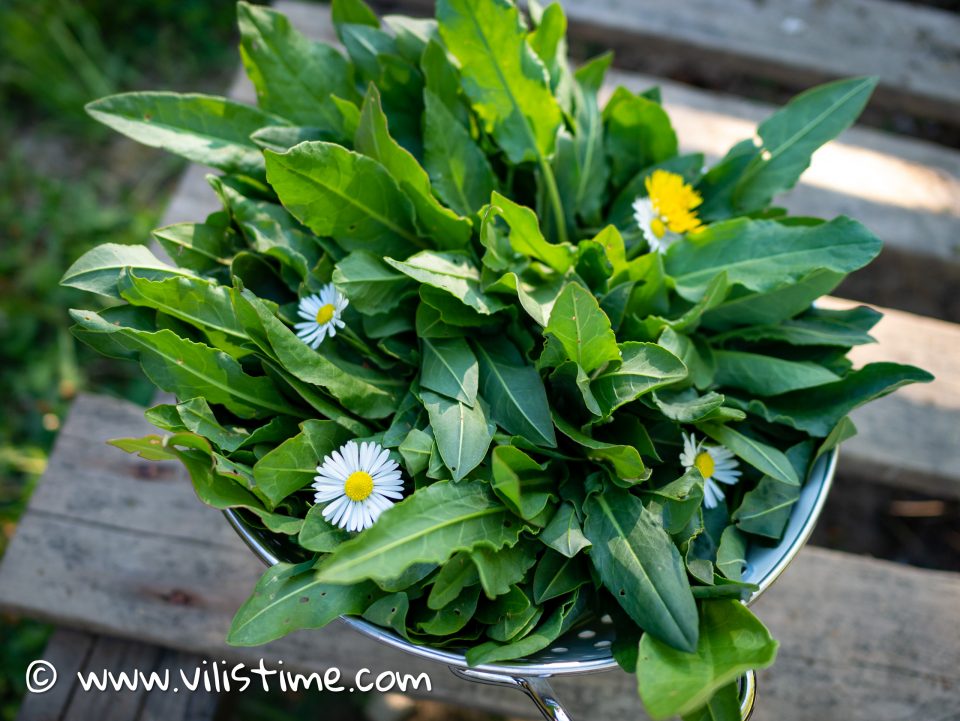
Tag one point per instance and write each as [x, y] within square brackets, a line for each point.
[121, 550]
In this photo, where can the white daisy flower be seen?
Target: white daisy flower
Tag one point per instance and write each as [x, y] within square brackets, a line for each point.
[357, 483]
[715, 463]
[321, 315]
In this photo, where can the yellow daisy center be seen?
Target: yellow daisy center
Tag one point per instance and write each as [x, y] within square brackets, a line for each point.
[325, 313]
[704, 464]
[358, 486]
[674, 201]
[658, 227]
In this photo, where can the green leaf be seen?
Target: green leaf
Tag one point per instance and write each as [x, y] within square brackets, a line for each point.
[290, 597]
[731, 642]
[456, 574]
[344, 195]
[580, 163]
[353, 12]
[764, 375]
[202, 128]
[318, 534]
[680, 499]
[200, 303]
[450, 368]
[442, 225]
[525, 236]
[99, 269]
[793, 133]
[515, 392]
[724, 705]
[639, 564]
[818, 410]
[370, 284]
[818, 326]
[763, 254]
[582, 328]
[766, 509]
[426, 527]
[500, 569]
[363, 390]
[283, 137]
[452, 311]
[189, 369]
[293, 464]
[644, 368]
[537, 295]
[563, 533]
[204, 247]
[452, 272]
[549, 630]
[502, 76]
[524, 485]
[638, 134]
[774, 306]
[459, 170]
[557, 575]
[763, 457]
[450, 619]
[198, 417]
[294, 77]
[269, 230]
[732, 553]
[463, 432]
[625, 459]
[416, 450]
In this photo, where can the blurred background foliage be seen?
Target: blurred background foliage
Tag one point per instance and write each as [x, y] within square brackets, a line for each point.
[67, 184]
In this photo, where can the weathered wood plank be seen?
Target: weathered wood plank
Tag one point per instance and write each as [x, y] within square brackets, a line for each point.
[907, 191]
[74, 652]
[199, 705]
[914, 50]
[862, 639]
[68, 651]
[115, 655]
[912, 438]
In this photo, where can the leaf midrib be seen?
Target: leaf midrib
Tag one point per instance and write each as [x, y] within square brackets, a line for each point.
[248, 146]
[229, 390]
[697, 276]
[463, 389]
[528, 131]
[385, 222]
[496, 371]
[384, 549]
[608, 512]
[797, 136]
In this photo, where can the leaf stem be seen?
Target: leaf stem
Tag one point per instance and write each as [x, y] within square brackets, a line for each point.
[553, 192]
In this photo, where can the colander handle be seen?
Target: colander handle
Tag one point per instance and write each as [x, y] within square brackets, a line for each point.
[540, 692]
[536, 687]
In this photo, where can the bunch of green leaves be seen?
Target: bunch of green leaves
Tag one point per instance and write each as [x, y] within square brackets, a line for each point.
[509, 337]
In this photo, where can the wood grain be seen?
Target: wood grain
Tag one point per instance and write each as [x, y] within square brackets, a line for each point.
[77, 652]
[862, 639]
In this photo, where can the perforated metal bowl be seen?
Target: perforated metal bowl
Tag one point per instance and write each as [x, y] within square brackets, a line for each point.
[586, 647]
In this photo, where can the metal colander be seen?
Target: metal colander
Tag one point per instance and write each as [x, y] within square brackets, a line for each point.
[586, 647]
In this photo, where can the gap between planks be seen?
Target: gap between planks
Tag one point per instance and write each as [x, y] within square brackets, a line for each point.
[861, 639]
